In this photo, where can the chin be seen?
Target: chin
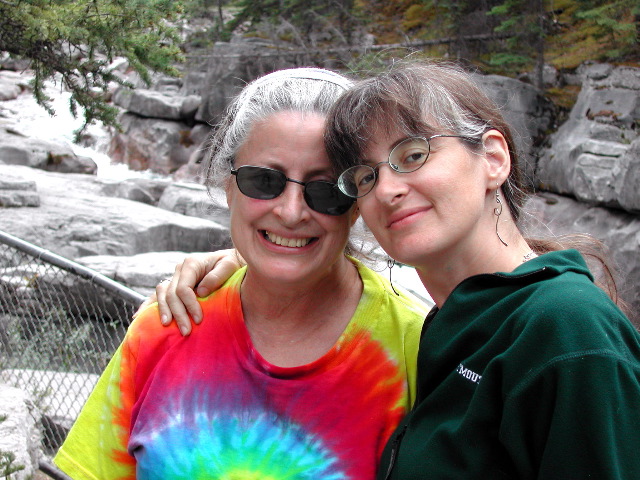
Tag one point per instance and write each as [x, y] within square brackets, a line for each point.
[282, 272]
[412, 257]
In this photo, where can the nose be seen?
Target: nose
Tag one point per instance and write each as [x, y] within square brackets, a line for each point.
[390, 186]
[291, 206]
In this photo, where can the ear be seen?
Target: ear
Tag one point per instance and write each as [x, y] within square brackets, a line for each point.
[497, 157]
[355, 214]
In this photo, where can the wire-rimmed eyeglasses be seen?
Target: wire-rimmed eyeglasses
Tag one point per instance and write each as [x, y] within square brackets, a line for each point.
[406, 157]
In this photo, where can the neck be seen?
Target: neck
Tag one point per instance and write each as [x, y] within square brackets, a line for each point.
[443, 273]
[296, 324]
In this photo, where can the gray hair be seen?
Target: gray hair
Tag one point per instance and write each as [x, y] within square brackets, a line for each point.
[306, 90]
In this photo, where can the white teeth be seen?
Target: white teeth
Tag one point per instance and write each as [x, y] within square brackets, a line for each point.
[287, 242]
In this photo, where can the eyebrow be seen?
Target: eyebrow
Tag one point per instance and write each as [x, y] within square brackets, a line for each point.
[328, 171]
[368, 162]
[400, 140]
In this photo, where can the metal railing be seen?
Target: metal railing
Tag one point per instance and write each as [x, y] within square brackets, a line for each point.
[60, 322]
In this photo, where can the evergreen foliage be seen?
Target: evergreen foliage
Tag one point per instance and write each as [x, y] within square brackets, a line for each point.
[7, 460]
[527, 22]
[303, 18]
[565, 32]
[74, 42]
[512, 36]
[613, 24]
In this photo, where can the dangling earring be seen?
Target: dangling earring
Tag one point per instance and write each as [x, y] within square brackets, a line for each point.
[390, 263]
[497, 212]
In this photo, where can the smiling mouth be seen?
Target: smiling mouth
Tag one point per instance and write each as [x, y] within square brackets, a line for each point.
[287, 242]
[400, 219]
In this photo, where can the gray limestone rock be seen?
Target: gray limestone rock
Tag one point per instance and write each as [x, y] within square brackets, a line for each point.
[18, 433]
[161, 146]
[16, 192]
[155, 104]
[618, 230]
[18, 149]
[594, 154]
[75, 219]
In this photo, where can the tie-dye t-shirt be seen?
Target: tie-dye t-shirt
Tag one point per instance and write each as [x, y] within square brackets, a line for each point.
[209, 406]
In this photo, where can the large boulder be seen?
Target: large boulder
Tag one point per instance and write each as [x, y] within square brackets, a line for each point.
[193, 171]
[196, 200]
[53, 156]
[154, 104]
[139, 189]
[594, 155]
[12, 84]
[75, 219]
[161, 146]
[628, 184]
[141, 272]
[16, 192]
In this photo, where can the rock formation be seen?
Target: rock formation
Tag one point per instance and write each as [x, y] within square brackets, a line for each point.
[593, 156]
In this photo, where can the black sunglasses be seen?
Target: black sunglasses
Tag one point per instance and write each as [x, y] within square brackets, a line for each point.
[265, 183]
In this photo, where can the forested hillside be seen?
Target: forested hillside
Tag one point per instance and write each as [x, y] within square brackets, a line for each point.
[500, 36]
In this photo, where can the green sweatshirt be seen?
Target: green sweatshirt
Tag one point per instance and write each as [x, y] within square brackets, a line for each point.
[533, 374]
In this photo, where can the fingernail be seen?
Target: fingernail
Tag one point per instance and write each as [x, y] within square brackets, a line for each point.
[196, 318]
[184, 331]
[164, 320]
[202, 292]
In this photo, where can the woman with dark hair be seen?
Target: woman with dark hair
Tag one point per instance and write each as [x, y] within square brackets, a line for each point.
[527, 370]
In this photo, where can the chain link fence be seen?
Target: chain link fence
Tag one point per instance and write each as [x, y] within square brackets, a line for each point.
[60, 322]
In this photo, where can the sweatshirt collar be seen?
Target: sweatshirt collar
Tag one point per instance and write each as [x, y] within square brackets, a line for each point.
[553, 263]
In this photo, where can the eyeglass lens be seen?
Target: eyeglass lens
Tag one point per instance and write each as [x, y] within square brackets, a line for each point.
[266, 183]
[409, 155]
[260, 183]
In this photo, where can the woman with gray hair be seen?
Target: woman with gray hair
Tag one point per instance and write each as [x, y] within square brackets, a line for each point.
[306, 361]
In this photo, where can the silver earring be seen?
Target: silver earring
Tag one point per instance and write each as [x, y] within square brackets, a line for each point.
[390, 263]
[497, 212]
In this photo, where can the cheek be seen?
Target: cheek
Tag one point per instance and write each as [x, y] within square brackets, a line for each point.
[338, 226]
[244, 211]
[235, 207]
[336, 229]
